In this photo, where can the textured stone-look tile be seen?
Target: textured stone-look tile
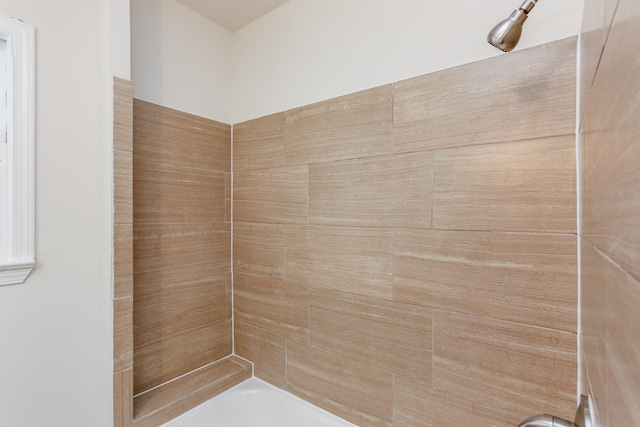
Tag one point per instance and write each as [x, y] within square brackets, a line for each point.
[622, 346]
[516, 186]
[611, 196]
[123, 252]
[411, 403]
[492, 100]
[453, 400]
[355, 125]
[388, 191]
[228, 197]
[160, 246]
[474, 404]
[170, 356]
[123, 398]
[611, 211]
[122, 187]
[485, 361]
[391, 335]
[167, 136]
[526, 278]
[356, 260]
[279, 195]
[611, 177]
[167, 402]
[123, 260]
[357, 392]
[171, 194]
[268, 352]
[228, 285]
[122, 115]
[258, 249]
[275, 306]
[122, 334]
[167, 304]
[259, 143]
[592, 39]
[593, 308]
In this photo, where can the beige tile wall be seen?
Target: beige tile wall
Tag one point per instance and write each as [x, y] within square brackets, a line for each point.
[123, 253]
[408, 253]
[610, 154]
[181, 264]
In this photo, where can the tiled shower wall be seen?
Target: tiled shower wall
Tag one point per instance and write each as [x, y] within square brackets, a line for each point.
[610, 235]
[181, 263]
[182, 243]
[406, 255]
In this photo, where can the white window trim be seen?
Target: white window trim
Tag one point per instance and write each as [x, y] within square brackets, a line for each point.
[20, 239]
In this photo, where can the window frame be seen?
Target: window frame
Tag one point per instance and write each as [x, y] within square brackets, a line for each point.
[19, 241]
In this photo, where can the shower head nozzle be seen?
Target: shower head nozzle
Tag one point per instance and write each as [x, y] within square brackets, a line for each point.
[506, 34]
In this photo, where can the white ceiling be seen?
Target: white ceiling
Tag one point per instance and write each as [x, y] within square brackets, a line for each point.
[233, 14]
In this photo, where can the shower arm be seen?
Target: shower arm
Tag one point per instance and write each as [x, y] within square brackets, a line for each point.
[528, 5]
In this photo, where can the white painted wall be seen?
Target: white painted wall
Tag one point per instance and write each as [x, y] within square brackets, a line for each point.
[55, 329]
[120, 38]
[181, 59]
[311, 50]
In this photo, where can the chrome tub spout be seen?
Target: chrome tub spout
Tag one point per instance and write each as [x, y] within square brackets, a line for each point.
[546, 421]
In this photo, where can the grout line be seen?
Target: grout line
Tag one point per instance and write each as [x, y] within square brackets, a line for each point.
[579, 101]
[233, 315]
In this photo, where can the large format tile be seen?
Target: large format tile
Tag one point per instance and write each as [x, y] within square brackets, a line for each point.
[355, 391]
[527, 278]
[622, 346]
[167, 303]
[122, 334]
[123, 260]
[502, 367]
[268, 352]
[122, 115]
[123, 398]
[170, 194]
[259, 143]
[593, 318]
[515, 186]
[523, 95]
[411, 403]
[596, 22]
[611, 195]
[611, 207]
[258, 249]
[279, 195]
[356, 260]
[122, 187]
[351, 126]
[191, 246]
[228, 196]
[167, 136]
[388, 191]
[275, 306]
[172, 355]
[394, 336]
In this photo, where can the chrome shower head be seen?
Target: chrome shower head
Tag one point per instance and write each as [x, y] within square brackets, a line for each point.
[506, 34]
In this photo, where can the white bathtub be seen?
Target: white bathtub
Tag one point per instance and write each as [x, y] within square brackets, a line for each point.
[254, 403]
